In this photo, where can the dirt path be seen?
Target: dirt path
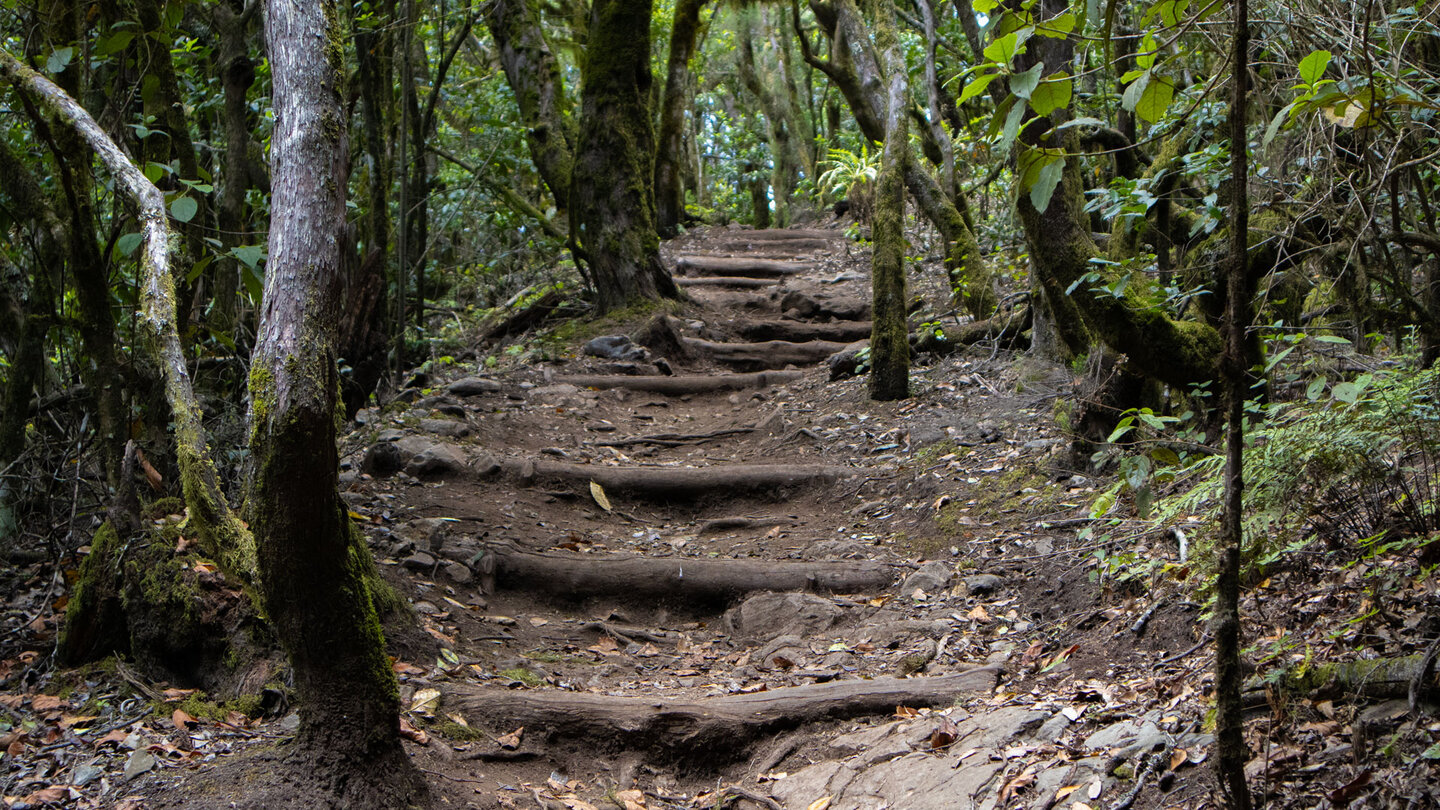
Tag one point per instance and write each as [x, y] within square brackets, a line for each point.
[698, 572]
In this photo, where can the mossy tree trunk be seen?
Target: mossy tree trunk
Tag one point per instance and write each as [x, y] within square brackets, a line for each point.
[1061, 249]
[232, 21]
[612, 202]
[313, 565]
[779, 127]
[669, 147]
[889, 343]
[534, 77]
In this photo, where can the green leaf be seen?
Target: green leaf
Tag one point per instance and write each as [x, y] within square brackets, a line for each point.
[197, 269]
[1346, 392]
[1012, 126]
[1132, 94]
[1433, 752]
[1149, 51]
[1083, 121]
[59, 60]
[127, 243]
[1331, 339]
[249, 255]
[1152, 420]
[1315, 388]
[1275, 124]
[1058, 28]
[1045, 184]
[1005, 48]
[1155, 99]
[1312, 67]
[976, 86]
[113, 43]
[984, 6]
[254, 284]
[183, 208]
[1023, 84]
[1052, 94]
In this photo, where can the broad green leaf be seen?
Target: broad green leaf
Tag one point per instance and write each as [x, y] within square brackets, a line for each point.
[1005, 48]
[1000, 116]
[254, 284]
[1012, 126]
[1312, 67]
[1170, 12]
[1023, 84]
[1346, 392]
[113, 43]
[1052, 94]
[1147, 54]
[1133, 92]
[127, 243]
[1331, 339]
[1045, 185]
[154, 171]
[59, 59]
[976, 86]
[1275, 124]
[197, 269]
[984, 6]
[1315, 388]
[1084, 121]
[1155, 99]
[249, 255]
[1058, 28]
[184, 208]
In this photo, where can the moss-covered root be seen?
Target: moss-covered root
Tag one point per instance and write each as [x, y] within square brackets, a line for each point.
[1376, 678]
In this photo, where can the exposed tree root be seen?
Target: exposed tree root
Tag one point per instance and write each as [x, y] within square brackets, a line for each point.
[671, 483]
[801, 331]
[768, 354]
[1375, 678]
[714, 728]
[743, 266]
[738, 282]
[786, 235]
[690, 580]
[679, 386]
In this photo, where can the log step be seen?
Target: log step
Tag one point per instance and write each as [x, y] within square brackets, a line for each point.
[737, 282]
[671, 483]
[781, 235]
[687, 580]
[679, 386]
[715, 728]
[766, 354]
[802, 331]
[755, 268]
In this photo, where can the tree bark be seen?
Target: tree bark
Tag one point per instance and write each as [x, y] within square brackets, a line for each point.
[236, 77]
[889, 343]
[669, 147]
[313, 564]
[534, 77]
[1229, 679]
[612, 202]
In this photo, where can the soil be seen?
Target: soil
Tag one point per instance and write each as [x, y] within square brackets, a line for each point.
[962, 490]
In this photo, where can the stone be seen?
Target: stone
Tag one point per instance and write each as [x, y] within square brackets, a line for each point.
[86, 773]
[141, 761]
[445, 427]
[474, 386]
[458, 573]
[413, 446]
[615, 347]
[931, 577]
[383, 459]
[390, 435]
[846, 362]
[982, 584]
[438, 461]
[436, 402]
[767, 615]
[419, 561]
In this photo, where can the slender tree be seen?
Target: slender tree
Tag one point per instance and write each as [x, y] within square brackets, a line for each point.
[312, 561]
[1229, 728]
[669, 197]
[889, 343]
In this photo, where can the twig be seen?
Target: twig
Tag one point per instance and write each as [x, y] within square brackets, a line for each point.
[451, 778]
[733, 792]
[1153, 762]
[1138, 628]
[1172, 659]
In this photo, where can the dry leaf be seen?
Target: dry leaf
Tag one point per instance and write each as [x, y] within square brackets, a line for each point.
[425, 700]
[152, 475]
[1344, 794]
[536, 621]
[46, 703]
[631, 799]
[1095, 789]
[176, 695]
[944, 735]
[183, 720]
[50, 795]
[598, 493]
[412, 733]
[822, 803]
[512, 740]
[1065, 791]
[979, 614]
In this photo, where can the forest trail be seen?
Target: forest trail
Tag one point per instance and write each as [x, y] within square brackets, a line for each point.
[688, 570]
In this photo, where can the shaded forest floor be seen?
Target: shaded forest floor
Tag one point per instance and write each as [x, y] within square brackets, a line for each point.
[633, 589]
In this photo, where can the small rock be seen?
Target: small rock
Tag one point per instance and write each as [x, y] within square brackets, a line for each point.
[445, 427]
[408, 395]
[435, 402]
[290, 723]
[931, 578]
[982, 584]
[767, 615]
[458, 573]
[419, 561]
[616, 347]
[390, 435]
[473, 386]
[86, 773]
[438, 461]
[141, 761]
[383, 459]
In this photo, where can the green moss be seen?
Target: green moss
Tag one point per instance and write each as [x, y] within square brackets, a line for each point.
[452, 730]
[523, 675]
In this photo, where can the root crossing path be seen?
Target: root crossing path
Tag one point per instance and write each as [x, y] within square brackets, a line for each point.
[679, 567]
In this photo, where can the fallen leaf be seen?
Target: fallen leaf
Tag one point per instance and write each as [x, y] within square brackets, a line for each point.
[537, 621]
[205, 568]
[944, 735]
[113, 738]
[425, 700]
[403, 668]
[72, 720]
[49, 795]
[176, 695]
[1096, 788]
[906, 711]
[512, 740]
[412, 733]
[183, 720]
[979, 614]
[631, 799]
[1178, 757]
[1065, 791]
[822, 803]
[1343, 795]
[782, 662]
[152, 475]
[46, 703]
[598, 493]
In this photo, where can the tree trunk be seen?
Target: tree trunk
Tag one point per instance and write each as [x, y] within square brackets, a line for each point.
[237, 74]
[612, 204]
[313, 564]
[534, 77]
[1229, 679]
[669, 147]
[889, 343]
